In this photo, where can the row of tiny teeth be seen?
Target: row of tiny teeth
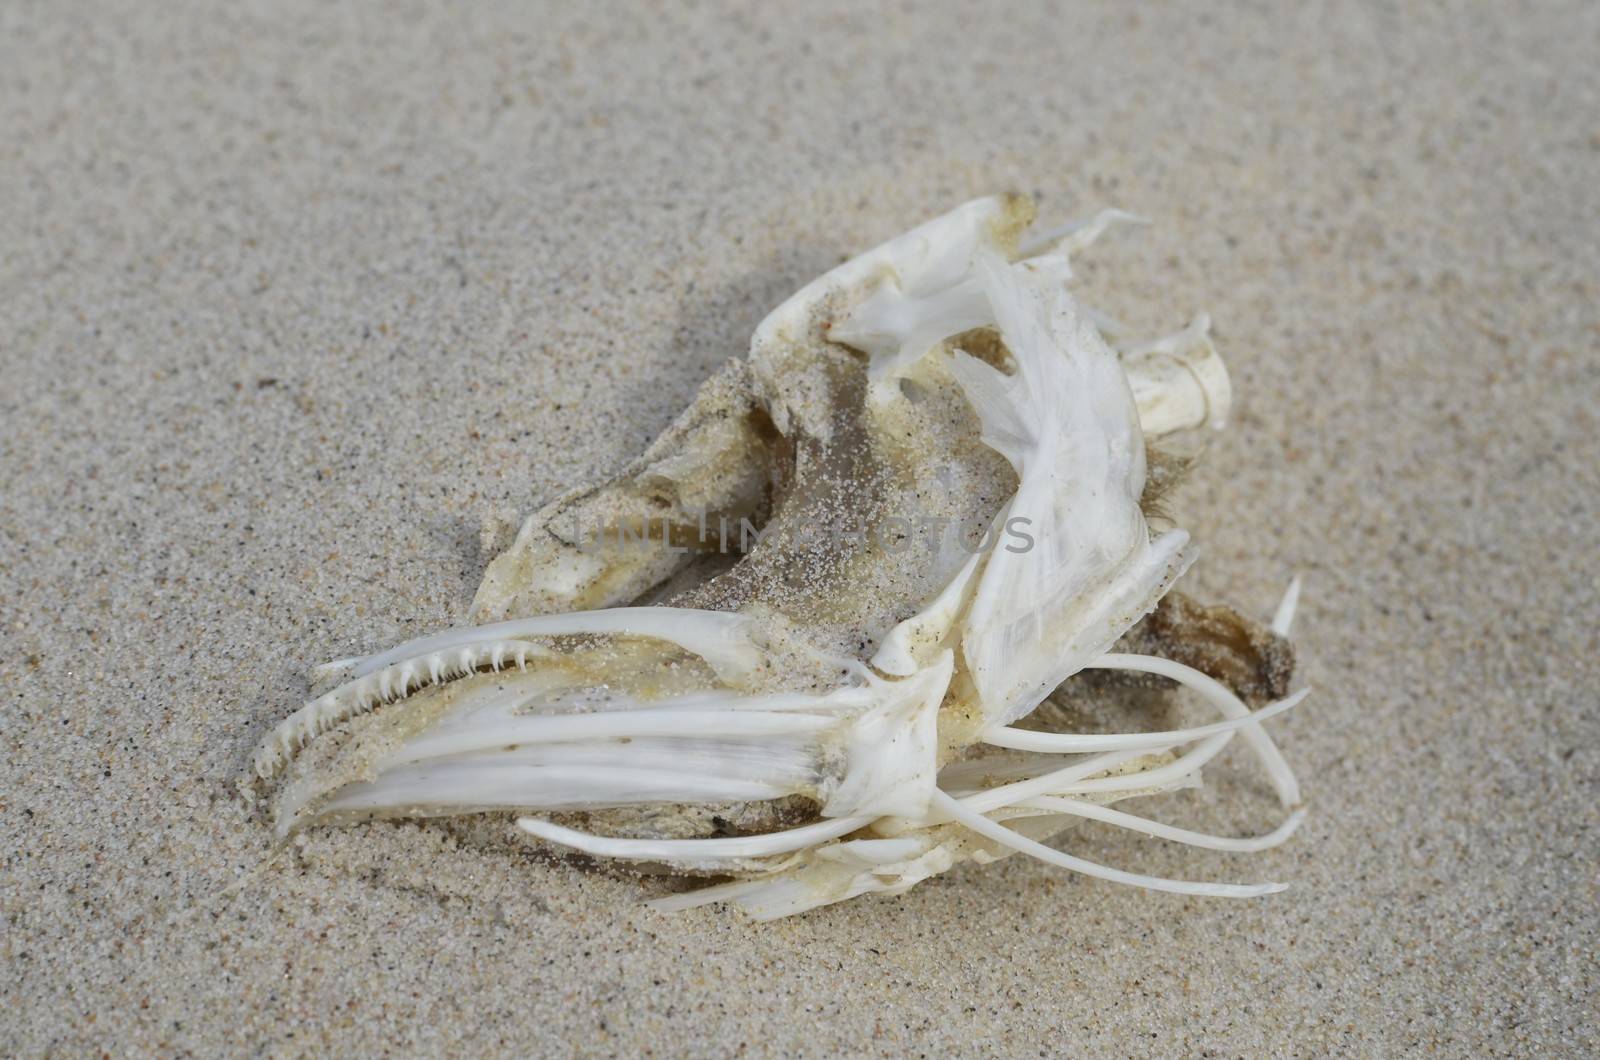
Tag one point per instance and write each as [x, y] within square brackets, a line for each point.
[392, 683]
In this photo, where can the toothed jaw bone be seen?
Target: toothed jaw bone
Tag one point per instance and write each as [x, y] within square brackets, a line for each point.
[727, 642]
[384, 686]
[641, 711]
[909, 754]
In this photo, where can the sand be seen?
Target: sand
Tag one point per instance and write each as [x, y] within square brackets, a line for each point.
[295, 299]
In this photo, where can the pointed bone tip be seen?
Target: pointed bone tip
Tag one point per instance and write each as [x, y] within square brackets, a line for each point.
[1283, 619]
[1113, 213]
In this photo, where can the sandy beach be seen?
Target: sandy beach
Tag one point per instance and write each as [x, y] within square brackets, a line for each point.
[296, 301]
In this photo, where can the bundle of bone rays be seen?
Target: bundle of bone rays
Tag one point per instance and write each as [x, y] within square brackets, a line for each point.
[888, 597]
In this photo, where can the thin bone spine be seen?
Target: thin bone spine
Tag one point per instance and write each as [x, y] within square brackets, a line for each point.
[1133, 822]
[1080, 743]
[999, 833]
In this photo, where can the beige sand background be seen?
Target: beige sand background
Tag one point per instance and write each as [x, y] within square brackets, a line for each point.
[295, 297]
